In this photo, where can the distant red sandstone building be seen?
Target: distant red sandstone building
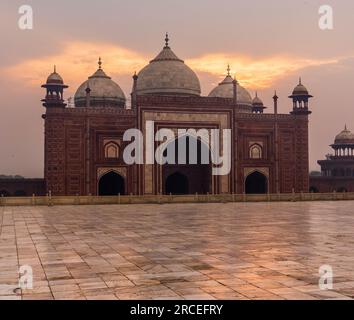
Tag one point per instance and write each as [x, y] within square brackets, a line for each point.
[337, 171]
[84, 144]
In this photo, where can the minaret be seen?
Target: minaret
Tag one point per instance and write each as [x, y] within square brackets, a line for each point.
[300, 97]
[276, 143]
[275, 99]
[55, 91]
[235, 84]
[133, 94]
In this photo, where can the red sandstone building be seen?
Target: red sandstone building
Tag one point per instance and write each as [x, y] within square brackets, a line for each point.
[84, 144]
[337, 171]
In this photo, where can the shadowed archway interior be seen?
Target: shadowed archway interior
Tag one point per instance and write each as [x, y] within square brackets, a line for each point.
[256, 183]
[20, 193]
[111, 184]
[4, 193]
[177, 184]
[194, 176]
[314, 190]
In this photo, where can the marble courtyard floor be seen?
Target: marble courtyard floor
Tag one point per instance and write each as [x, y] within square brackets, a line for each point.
[188, 251]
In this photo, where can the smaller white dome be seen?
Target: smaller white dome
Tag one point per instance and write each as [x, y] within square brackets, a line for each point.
[55, 78]
[257, 101]
[345, 137]
[226, 90]
[300, 90]
[103, 91]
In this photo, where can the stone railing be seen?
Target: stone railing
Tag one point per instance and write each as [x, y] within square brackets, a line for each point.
[170, 199]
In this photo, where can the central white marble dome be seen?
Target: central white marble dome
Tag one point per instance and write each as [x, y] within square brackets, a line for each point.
[167, 75]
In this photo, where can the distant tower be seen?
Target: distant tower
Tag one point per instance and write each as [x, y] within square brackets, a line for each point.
[257, 105]
[133, 94]
[339, 168]
[55, 91]
[275, 99]
[300, 98]
[344, 144]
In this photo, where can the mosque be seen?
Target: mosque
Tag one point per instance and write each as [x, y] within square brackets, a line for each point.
[84, 144]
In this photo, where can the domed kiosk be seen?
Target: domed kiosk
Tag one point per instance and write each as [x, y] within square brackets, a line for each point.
[257, 105]
[337, 170]
[344, 138]
[300, 97]
[344, 143]
[55, 90]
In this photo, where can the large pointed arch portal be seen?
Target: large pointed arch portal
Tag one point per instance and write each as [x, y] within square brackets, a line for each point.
[191, 177]
[111, 184]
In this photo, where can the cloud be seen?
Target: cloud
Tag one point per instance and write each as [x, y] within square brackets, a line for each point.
[78, 60]
[260, 73]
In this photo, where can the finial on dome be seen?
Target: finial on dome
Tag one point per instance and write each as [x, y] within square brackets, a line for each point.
[55, 69]
[167, 39]
[256, 94]
[345, 127]
[100, 63]
[300, 82]
[228, 70]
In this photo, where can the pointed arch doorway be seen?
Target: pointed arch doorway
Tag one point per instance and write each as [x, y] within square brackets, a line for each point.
[194, 176]
[111, 184]
[177, 184]
[256, 183]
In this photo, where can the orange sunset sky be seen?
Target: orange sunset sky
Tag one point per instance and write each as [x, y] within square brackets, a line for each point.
[268, 44]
